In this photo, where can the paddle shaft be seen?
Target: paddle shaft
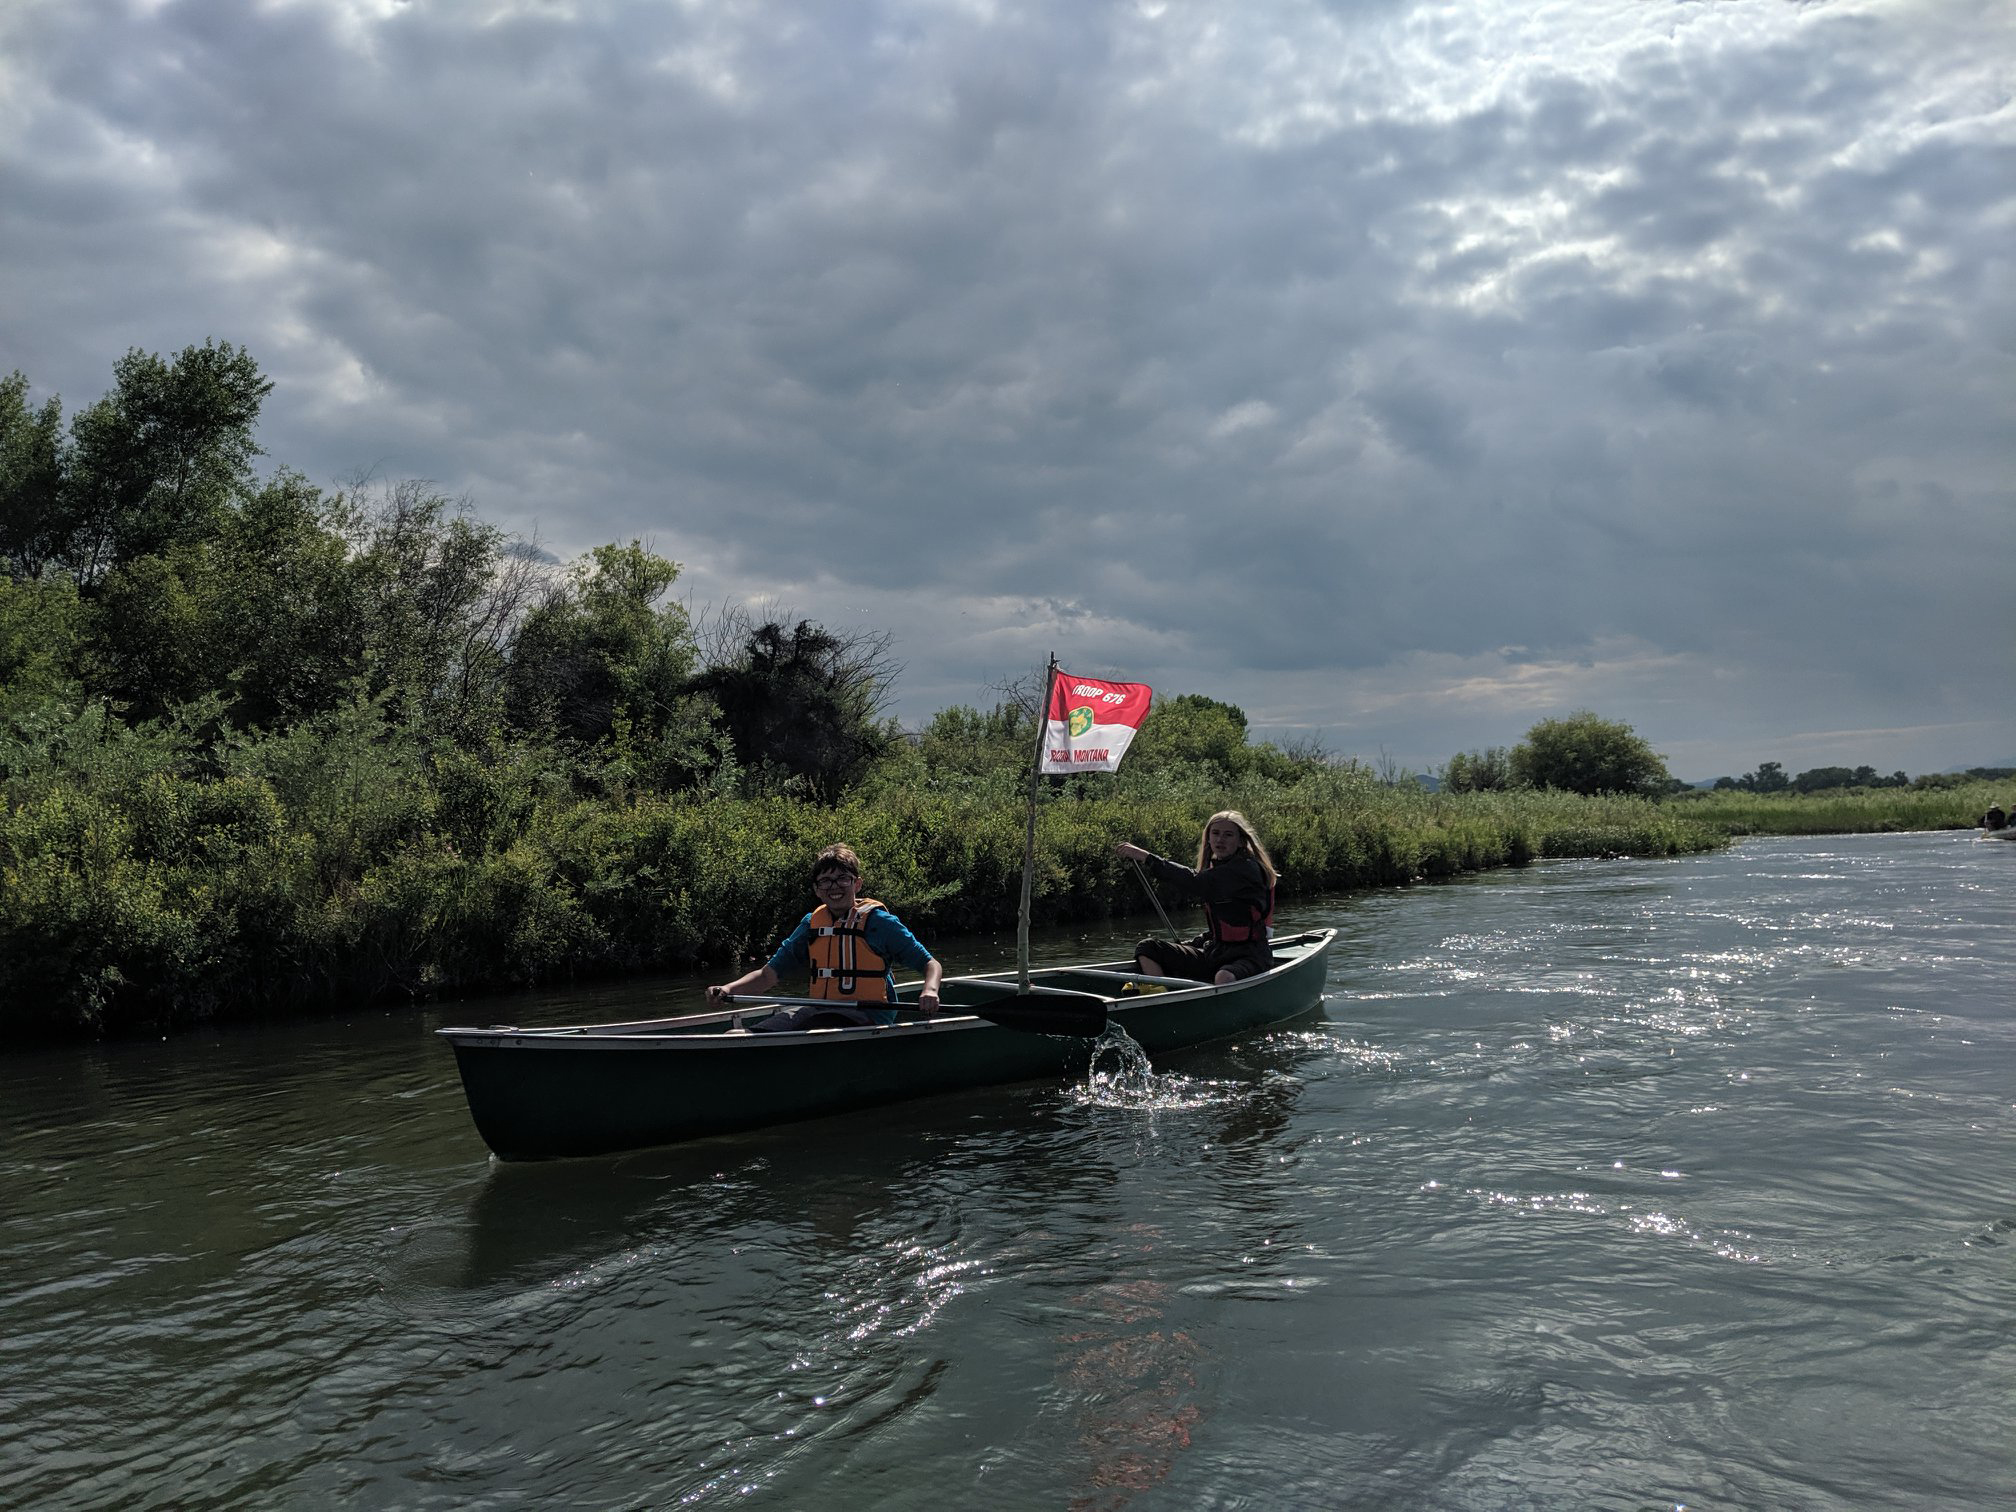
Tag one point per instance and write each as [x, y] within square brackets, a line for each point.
[754, 1000]
[1153, 897]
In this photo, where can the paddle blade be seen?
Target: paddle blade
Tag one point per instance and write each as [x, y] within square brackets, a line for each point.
[1076, 1014]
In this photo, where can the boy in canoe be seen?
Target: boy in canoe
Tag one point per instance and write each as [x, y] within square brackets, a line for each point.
[1234, 879]
[849, 946]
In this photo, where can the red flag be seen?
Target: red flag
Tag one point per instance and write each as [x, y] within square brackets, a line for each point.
[1090, 723]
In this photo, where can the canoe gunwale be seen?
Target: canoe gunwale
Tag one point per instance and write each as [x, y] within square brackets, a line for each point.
[662, 1035]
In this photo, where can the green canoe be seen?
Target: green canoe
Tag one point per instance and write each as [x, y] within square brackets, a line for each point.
[594, 1088]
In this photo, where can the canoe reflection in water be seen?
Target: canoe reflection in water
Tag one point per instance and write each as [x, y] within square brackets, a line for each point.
[1139, 1387]
[1141, 1377]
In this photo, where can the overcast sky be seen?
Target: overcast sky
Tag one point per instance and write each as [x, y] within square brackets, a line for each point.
[1403, 373]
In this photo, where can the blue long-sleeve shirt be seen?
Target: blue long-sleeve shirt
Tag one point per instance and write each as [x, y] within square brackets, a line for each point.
[884, 933]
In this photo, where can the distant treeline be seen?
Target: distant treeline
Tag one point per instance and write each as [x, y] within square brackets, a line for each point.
[1770, 778]
[1586, 754]
[266, 748]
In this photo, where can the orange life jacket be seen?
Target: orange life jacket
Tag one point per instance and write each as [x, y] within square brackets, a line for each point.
[844, 968]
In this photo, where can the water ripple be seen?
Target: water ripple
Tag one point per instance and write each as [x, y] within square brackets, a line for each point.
[1599, 1184]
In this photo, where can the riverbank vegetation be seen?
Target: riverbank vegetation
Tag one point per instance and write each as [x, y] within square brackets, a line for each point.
[179, 870]
[1844, 811]
[266, 748]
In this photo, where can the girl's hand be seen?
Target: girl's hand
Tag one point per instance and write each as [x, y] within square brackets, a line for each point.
[1130, 851]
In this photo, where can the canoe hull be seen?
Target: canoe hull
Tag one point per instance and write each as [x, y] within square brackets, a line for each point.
[543, 1093]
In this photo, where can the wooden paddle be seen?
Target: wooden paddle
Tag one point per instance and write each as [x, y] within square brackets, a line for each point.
[1043, 1010]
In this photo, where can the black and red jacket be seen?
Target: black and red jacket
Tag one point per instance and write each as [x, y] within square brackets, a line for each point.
[1238, 901]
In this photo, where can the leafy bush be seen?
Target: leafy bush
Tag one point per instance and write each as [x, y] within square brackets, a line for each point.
[1588, 755]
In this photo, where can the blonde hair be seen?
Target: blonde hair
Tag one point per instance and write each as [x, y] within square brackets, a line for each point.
[1253, 845]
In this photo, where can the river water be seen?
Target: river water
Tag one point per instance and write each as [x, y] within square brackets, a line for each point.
[1600, 1184]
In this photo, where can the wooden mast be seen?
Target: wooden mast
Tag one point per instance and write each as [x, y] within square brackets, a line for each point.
[1029, 837]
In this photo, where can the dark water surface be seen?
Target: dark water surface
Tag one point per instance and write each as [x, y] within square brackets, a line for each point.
[1612, 1185]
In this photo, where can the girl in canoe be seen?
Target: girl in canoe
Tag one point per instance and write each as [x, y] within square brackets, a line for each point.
[847, 946]
[1234, 879]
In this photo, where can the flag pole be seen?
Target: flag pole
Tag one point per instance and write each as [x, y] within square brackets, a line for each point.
[1029, 837]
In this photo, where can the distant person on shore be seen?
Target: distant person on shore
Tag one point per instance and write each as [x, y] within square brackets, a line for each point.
[1234, 879]
[1994, 819]
[848, 946]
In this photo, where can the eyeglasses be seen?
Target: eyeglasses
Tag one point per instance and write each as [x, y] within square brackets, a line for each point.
[834, 878]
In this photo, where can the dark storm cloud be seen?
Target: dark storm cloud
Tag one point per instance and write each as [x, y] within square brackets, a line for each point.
[1364, 364]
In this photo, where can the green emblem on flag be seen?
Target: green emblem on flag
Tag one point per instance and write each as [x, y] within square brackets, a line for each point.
[1081, 721]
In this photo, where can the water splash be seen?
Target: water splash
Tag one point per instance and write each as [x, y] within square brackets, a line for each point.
[1121, 1076]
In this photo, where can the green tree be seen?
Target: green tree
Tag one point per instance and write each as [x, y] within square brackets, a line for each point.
[440, 602]
[289, 603]
[803, 707]
[1585, 754]
[1192, 733]
[964, 743]
[41, 625]
[155, 461]
[32, 523]
[601, 660]
[1485, 771]
[265, 609]
[155, 640]
[1768, 778]
[1935, 781]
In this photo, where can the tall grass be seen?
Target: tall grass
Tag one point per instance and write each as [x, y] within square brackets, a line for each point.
[1845, 811]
